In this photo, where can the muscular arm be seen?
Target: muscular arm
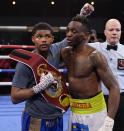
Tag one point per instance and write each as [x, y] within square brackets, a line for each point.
[20, 91]
[19, 95]
[104, 72]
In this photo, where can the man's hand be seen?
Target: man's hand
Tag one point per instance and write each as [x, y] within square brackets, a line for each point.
[107, 125]
[86, 10]
[45, 81]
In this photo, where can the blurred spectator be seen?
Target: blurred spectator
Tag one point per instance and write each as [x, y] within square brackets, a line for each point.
[93, 37]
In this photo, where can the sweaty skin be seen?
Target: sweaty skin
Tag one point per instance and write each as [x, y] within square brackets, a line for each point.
[87, 68]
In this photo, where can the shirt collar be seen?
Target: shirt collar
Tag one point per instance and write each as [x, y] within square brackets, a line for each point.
[110, 44]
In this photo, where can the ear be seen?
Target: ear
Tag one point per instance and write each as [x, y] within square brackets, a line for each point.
[88, 35]
[52, 39]
[105, 32]
[32, 38]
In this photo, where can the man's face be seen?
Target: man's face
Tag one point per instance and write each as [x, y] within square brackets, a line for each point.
[75, 32]
[113, 31]
[42, 40]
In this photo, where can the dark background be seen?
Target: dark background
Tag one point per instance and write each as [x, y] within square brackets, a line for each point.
[29, 12]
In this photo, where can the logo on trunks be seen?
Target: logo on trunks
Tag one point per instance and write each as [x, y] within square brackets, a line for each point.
[83, 127]
[121, 64]
[55, 89]
[81, 105]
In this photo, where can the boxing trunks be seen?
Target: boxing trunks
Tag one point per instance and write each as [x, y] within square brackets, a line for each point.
[34, 124]
[57, 93]
[87, 114]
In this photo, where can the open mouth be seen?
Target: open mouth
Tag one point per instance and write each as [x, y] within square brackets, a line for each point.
[68, 41]
[43, 46]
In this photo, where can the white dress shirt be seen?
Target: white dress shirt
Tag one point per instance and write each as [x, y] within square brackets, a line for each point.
[115, 60]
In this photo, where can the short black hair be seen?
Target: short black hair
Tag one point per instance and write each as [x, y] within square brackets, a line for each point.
[42, 26]
[85, 22]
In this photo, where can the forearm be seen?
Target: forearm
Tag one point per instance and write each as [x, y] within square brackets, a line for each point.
[19, 95]
[113, 102]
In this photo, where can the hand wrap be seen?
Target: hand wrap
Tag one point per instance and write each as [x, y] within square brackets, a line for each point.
[107, 125]
[45, 81]
[86, 10]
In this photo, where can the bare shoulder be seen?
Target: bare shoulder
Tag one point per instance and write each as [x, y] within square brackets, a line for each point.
[98, 59]
[65, 51]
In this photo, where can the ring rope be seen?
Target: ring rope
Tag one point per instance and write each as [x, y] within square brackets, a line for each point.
[4, 57]
[17, 46]
[13, 70]
[10, 84]
[7, 70]
[5, 83]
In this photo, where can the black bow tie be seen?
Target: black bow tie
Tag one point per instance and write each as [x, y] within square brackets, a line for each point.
[113, 47]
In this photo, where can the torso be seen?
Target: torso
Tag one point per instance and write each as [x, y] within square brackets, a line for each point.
[82, 76]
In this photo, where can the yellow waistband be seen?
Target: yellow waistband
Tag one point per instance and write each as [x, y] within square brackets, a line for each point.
[88, 106]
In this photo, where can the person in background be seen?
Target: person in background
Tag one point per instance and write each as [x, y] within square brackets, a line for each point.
[87, 67]
[113, 50]
[93, 36]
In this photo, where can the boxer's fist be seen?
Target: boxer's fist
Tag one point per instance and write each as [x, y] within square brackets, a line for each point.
[86, 10]
[107, 125]
[45, 81]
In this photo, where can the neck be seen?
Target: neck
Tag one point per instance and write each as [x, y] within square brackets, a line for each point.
[79, 47]
[113, 43]
[45, 54]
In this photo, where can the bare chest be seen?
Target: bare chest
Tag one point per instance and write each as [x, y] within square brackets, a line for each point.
[79, 66]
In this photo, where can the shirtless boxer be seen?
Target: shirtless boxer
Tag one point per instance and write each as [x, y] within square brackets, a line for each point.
[87, 67]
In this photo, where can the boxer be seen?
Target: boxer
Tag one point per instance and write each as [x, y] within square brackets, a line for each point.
[87, 67]
[57, 92]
